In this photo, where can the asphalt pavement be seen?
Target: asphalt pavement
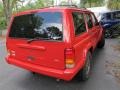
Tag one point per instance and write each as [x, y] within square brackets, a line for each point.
[14, 78]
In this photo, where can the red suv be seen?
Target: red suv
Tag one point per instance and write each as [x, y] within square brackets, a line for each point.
[54, 41]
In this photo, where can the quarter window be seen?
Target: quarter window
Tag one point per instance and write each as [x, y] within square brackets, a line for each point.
[79, 23]
[94, 20]
[116, 15]
[89, 21]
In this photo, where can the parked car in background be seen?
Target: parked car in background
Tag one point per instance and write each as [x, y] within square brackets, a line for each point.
[111, 23]
[54, 41]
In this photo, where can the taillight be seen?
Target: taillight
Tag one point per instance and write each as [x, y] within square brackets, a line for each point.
[10, 52]
[69, 57]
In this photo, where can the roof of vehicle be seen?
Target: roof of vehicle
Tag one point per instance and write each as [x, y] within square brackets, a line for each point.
[52, 8]
[111, 11]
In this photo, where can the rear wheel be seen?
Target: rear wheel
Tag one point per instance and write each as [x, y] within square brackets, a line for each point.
[84, 74]
[108, 33]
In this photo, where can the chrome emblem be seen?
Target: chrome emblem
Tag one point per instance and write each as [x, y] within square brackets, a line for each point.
[30, 58]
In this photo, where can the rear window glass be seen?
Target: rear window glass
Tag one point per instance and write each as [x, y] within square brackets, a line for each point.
[43, 25]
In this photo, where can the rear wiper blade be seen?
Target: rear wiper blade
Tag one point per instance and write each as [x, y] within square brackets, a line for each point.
[31, 40]
[37, 38]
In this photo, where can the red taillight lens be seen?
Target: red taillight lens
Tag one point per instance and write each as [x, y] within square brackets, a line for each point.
[10, 52]
[69, 58]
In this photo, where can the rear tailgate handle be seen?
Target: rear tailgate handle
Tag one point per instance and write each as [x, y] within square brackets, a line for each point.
[31, 47]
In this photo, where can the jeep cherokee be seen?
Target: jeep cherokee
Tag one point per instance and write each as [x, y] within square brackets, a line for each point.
[54, 41]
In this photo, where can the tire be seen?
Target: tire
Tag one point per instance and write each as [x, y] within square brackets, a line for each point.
[108, 33]
[84, 74]
[33, 73]
[101, 44]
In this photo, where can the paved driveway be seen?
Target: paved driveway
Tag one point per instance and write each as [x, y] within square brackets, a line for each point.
[13, 78]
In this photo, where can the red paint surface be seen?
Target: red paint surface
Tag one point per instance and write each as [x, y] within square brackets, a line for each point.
[47, 57]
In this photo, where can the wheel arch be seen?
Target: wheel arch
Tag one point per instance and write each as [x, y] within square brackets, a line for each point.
[89, 48]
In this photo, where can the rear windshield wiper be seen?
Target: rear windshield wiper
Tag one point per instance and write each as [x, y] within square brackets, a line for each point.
[37, 38]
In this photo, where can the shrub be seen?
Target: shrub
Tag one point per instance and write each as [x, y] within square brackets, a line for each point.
[2, 23]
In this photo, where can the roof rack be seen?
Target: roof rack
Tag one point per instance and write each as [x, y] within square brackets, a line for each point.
[83, 8]
[74, 6]
[71, 6]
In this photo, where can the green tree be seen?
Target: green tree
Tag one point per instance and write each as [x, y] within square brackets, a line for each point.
[91, 3]
[8, 6]
[1, 10]
[2, 18]
[113, 4]
[63, 3]
[68, 2]
[36, 5]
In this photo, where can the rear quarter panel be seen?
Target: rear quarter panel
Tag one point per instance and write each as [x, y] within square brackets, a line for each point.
[81, 44]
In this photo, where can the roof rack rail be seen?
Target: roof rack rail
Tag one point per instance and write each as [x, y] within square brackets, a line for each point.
[83, 8]
[74, 6]
[71, 6]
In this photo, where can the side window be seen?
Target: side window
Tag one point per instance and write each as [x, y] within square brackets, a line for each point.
[94, 20]
[116, 15]
[89, 21]
[108, 16]
[79, 22]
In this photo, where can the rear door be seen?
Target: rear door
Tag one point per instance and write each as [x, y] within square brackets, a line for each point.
[81, 36]
[91, 29]
[37, 38]
[97, 27]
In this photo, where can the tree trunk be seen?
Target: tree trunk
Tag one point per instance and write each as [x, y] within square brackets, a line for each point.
[7, 11]
[8, 6]
[90, 3]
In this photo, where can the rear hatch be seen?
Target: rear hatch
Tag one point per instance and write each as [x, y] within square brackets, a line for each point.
[37, 38]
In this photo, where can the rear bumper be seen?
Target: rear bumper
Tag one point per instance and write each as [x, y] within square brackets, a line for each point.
[66, 74]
